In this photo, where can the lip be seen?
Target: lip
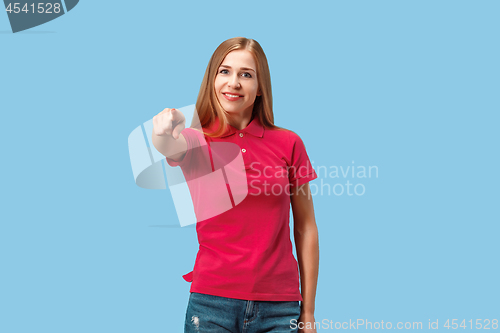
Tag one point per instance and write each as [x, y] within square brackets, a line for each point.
[231, 98]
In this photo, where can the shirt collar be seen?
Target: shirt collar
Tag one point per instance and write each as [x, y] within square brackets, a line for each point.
[254, 128]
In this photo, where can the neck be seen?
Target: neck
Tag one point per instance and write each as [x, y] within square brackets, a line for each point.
[240, 120]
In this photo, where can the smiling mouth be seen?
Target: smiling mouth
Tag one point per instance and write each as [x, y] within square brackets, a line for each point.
[229, 95]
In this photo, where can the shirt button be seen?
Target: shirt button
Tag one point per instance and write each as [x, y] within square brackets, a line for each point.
[241, 135]
[244, 150]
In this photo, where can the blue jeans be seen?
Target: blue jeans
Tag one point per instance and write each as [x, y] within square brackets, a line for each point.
[215, 314]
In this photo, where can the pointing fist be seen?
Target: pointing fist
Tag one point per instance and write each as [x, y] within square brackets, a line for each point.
[169, 122]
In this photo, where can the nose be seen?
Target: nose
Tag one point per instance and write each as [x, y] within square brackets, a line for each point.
[234, 81]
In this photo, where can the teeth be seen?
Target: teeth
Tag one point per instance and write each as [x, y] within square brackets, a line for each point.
[232, 95]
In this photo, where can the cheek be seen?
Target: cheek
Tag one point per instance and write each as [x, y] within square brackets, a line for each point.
[216, 86]
[255, 88]
[254, 92]
[218, 83]
[251, 89]
[216, 91]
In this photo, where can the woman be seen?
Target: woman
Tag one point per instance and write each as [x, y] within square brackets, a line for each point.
[245, 278]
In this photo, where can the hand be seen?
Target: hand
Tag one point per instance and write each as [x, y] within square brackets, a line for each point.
[306, 321]
[169, 122]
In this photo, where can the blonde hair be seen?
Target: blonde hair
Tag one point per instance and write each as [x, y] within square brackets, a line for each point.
[207, 104]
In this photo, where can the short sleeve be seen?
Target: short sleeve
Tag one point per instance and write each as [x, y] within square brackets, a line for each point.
[300, 170]
[193, 139]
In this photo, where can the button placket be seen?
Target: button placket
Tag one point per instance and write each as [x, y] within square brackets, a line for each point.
[240, 134]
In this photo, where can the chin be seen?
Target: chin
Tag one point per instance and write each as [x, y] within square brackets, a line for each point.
[230, 109]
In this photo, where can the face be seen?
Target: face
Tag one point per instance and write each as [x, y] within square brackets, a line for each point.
[236, 85]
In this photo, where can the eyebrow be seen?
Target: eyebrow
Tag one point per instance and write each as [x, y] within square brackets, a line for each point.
[243, 68]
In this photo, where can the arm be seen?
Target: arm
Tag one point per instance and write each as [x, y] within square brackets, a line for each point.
[166, 145]
[307, 245]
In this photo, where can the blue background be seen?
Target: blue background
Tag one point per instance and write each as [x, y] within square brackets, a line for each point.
[409, 87]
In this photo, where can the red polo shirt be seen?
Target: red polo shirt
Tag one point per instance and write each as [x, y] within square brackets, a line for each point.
[246, 251]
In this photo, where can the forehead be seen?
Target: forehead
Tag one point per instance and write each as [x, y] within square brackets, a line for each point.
[239, 58]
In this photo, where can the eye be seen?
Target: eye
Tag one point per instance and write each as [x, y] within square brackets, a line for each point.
[247, 75]
[223, 71]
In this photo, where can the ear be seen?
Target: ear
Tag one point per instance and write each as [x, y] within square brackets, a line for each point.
[259, 92]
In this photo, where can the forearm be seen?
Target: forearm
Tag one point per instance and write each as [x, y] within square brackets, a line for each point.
[307, 245]
[168, 146]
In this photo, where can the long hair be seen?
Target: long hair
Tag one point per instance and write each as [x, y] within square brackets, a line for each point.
[207, 104]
